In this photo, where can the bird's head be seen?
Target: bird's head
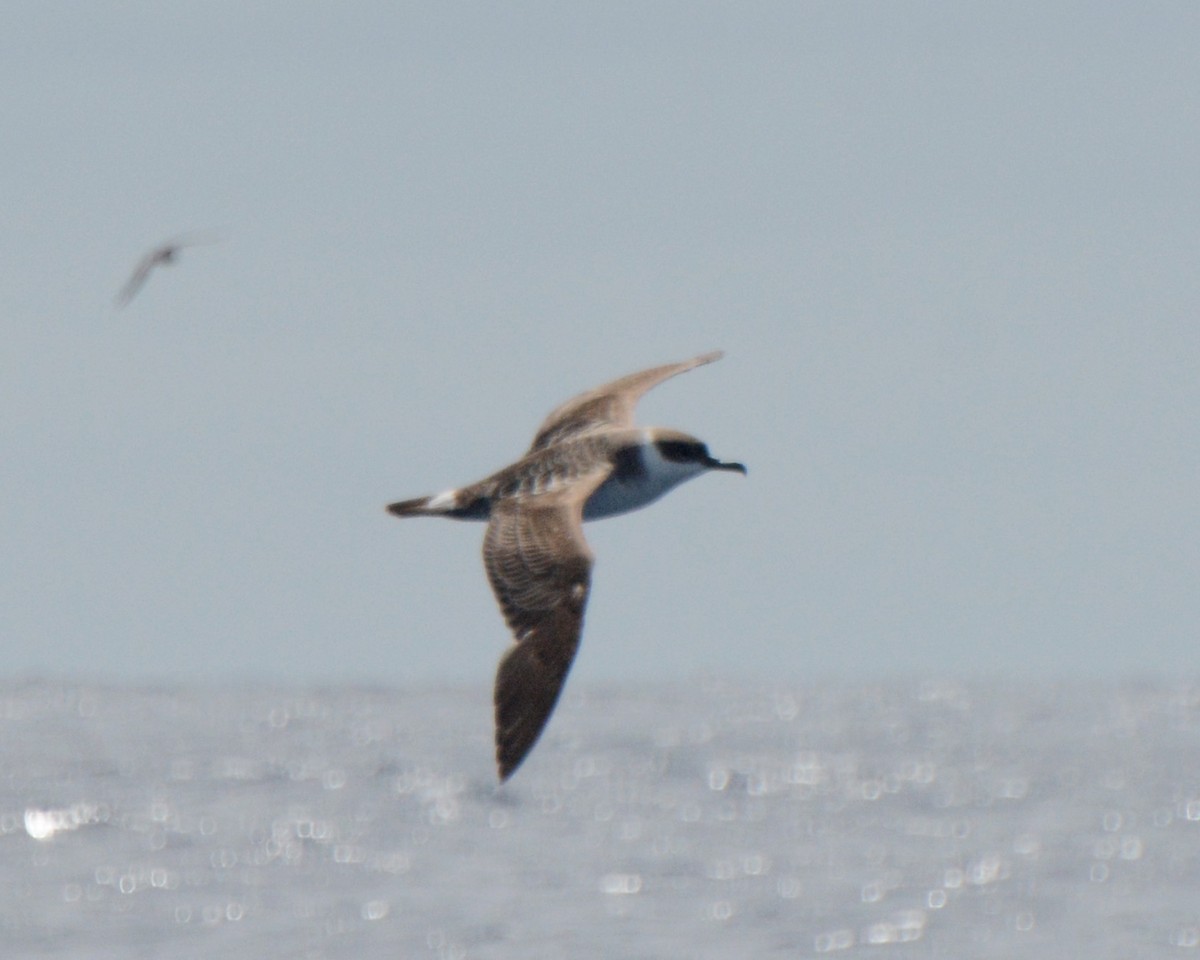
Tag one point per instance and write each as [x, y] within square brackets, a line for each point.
[682, 449]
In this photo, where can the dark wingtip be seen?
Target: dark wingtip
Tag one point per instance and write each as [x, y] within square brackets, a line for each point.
[507, 760]
[511, 752]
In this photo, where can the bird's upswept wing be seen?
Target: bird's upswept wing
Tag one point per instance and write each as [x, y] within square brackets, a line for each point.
[539, 566]
[611, 405]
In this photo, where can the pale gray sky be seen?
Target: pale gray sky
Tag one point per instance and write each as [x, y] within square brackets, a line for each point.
[950, 249]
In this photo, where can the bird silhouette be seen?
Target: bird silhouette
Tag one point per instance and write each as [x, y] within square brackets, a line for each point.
[164, 254]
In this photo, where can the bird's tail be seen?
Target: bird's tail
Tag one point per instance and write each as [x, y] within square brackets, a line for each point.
[421, 507]
[451, 503]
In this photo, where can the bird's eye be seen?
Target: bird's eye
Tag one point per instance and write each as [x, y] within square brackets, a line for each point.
[681, 451]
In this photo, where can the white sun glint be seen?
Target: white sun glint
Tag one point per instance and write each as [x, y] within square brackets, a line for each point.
[44, 823]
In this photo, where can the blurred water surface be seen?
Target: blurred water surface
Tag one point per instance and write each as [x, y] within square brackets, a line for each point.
[710, 820]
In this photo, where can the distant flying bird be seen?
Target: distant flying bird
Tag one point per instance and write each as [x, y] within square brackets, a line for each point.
[164, 254]
[587, 461]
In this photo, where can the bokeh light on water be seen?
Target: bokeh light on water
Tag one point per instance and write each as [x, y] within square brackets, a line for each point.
[710, 820]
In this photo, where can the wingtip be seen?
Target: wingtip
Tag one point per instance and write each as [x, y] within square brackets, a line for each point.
[507, 761]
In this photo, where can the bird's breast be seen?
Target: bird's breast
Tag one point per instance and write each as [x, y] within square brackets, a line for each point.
[614, 496]
[639, 477]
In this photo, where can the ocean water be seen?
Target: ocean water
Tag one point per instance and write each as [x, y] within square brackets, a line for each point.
[916, 819]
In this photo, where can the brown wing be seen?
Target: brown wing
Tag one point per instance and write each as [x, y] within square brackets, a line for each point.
[539, 566]
[611, 404]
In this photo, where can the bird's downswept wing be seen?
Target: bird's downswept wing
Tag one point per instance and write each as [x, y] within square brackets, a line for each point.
[540, 567]
[137, 278]
[611, 404]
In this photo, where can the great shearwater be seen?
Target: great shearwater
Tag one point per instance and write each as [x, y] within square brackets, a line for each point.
[164, 254]
[587, 461]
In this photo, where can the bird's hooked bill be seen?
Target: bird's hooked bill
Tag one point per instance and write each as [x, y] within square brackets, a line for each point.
[714, 464]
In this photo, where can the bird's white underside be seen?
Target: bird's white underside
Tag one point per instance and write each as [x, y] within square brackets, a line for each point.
[659, 476]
